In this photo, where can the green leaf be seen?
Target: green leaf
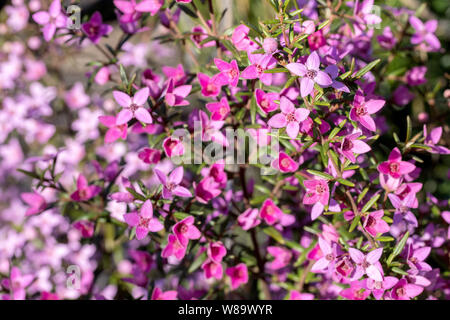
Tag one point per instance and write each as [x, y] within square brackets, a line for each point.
[197, 263]
[398, 248]
[366, 69]
[188, 11]
[123, 75]
[253, 107]
[345, 182]
[370, 203]
[354, 223]
[274, 234]
[320, 174]
[399, 271]
[135, 194]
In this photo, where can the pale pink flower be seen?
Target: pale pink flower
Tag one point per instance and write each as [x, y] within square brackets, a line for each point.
[171, 183]
[143, 221]
[289, 118]
[367, 264]
[133, 107]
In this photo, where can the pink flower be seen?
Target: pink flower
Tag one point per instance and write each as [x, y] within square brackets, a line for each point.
[416, 258]
[149, 155]
[211, 86]
[228, 71]
[95, 28]
[362, 110]
[284, 163]
[36, 202]
[270, 212]
[51, 19]
[333, 71]
[329, 256]
[199, 34]
[282, 257]
[249, 219]
[143, 221]
[185, 230]
[158, 294]
[217, 171]
[403, 206]
[131, 7]
[310, 74]
[266, 101]
[374, 224]
[316, 40]
[114, 131]
[84, 191]
[207, 189]
[174, 248]
[177, 74]
[318, 194]
[133, 106]
[173, 147]
[424, 33]
[175, 96]
[416, 76]
[355, 292]
[216, 251]
[171, 183]
[260, 63]
[238, 275]
[219, 110]
[405, 291]
[367, 264]
[432, 139]
[152, 81]
[270, 45]
[395, 167]
[379, 287]
[402, 96]
[212, 269]
[18, 282]
[240, 37]
[295, 295]
[289, 118]
[350, 145]
[85, 227]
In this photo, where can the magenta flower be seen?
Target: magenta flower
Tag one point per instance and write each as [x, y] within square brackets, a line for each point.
[355, 292]
[132, 7]
[175, 96]
[95, 28]
[329, 256]
[260, 63]
[158, 294]
[295, 295]
[282, 257]
[219, 110]
[172, 182]
[249, 219]
[174, 248]
[402, 95]
[270, 45]
[432, 139]
[416, 76]
[416, 259]
[36, 202]
[199, 34]
[266, 101]
[173, 147]
[143, 221]
[333, 71]
[51, 19]
[115, 131]
[211, 86]
[229, 71]
[270, 212]
[367, 264]
[207, 189]
[177, 74]
[405, 291]
[133, 107]
[212, 269]
[395, 167]
[185, 230]
[84, 191]
[18, 282]
[379, 287]
[424, 33]
[216, 251]
[152, 81]
[149, 155]
[240, 37]
[362, 110]
[284, 163]
[85, 227]
[350, 145]
[403, 208]
[310, 74]
[374, 224]
[238, 275]
[289, 118]
[317, 194]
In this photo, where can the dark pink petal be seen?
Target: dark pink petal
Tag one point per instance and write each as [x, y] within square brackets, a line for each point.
[132, 219]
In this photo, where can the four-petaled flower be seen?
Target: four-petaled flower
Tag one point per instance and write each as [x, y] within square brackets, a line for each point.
[362, 110]
[367, 264]
[289, 118]
[84, 191]
[185, 230]
[143, 221]
[171, 183]
[395, 167]
[133, 107]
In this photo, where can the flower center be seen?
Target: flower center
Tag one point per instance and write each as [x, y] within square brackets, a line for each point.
[285, 163]
[170, 186]
[400, 291]
[184, 228]
[232, 73]
[371, 222]
[211, 87]
[320, 189]
[259, 69]
[394, 167]
[347, 145]
[134, 107]
[311, 74]
[290, 117]
[361, 111]
[223, 110]
[329, 257]
[143, 222]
